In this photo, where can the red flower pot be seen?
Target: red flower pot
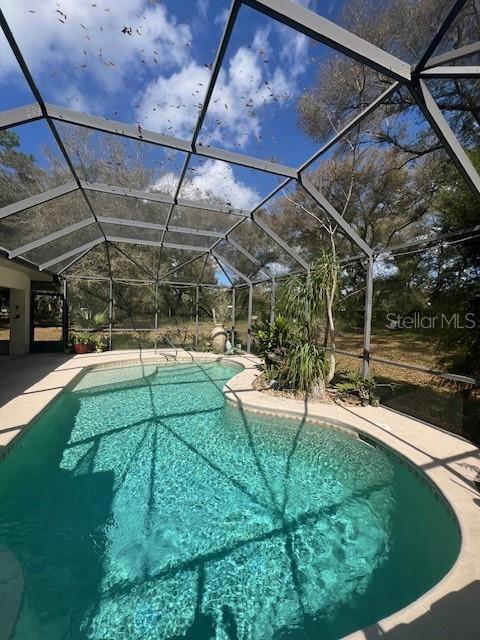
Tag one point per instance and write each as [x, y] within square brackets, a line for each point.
[80, 348]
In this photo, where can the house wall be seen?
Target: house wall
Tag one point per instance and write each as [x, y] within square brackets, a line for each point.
[18, 279]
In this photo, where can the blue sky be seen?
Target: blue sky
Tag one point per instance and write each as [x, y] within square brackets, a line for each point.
[149, 62]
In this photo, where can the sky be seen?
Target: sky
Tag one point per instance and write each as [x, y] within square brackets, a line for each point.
[148, 62]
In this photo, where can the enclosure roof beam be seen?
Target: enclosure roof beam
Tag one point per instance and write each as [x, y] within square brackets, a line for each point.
[151, 196]
[132, 260]
[204, 266]
[266, 229]
[245, 161]
[223, 270]
[51, 237]
[161, 197]
[97, 123]
[181, 266]
[249, 256]
[283, 276]
[217, 65]
[322, 30]
[213, 208]
[70, 254]
[183, 173]
[334, 215]
[139, 224]
[216, 68]
[40, 198]
[347, 128]
[442, 30]
[451, 72]
[137, 133]
[250, 214]
[51, 125]
[174, 283]
[281, 243]
[227, 264]
[77, 258]
[462, 234]
[454, 54]
[20, 115]
[196, 232]
[156, 243]
[25, 261]
[441, 127]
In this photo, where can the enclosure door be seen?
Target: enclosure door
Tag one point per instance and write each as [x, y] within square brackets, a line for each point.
[48, 324]
[4, 321]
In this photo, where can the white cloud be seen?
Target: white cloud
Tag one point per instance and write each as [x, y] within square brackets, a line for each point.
[202, 7]
[221, 18]
[170, 105]
[244, 87]
[55, 37]
[73, 97]
[294, 50]
[75, 41]
[216, 180]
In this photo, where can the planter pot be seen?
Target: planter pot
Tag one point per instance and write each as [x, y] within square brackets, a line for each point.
[80, 348]
[375, 401]
[219, 338]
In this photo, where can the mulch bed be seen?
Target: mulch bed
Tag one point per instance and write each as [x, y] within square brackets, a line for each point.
[260, 384]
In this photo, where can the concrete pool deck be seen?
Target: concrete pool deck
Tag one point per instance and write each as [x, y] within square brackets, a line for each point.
[449, 611]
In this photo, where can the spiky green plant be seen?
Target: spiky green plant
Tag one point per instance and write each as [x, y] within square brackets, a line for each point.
[271, 338]
[304, 367]
[306, 305]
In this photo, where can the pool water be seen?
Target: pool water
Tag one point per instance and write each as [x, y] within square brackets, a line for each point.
[140, 506]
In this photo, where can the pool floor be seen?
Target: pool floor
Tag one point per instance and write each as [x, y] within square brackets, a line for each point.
[140, 506]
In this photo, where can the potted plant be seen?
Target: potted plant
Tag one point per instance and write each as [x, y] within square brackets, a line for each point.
[99, 342]
[69, 346]
[370, 386]
[80, 342]
[364, 388]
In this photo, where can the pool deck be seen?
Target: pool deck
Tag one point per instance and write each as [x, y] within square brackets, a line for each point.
[449, 611]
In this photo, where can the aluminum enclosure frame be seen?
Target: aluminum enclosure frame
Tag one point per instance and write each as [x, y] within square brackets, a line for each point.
[303, 21]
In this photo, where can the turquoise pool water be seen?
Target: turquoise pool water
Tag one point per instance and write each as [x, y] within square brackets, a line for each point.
[140, 507]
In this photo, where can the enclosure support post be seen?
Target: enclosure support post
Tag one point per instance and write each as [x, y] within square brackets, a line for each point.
[155, 302]
[249, 319]
[233, 317]
[196, 316]
[110, 315]
[65, 320]
[367, 328]
[272, 302]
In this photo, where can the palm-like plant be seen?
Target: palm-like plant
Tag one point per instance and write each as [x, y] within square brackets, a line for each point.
[307, 304]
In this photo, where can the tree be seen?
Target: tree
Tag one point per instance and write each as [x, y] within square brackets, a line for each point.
[458, 274]
[19, 175]
[396, 160]
[404, 28]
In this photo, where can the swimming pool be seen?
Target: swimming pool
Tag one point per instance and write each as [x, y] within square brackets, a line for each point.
[141, 506]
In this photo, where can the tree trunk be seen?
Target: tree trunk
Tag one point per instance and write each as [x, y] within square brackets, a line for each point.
[331, 332]
[319, 391]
